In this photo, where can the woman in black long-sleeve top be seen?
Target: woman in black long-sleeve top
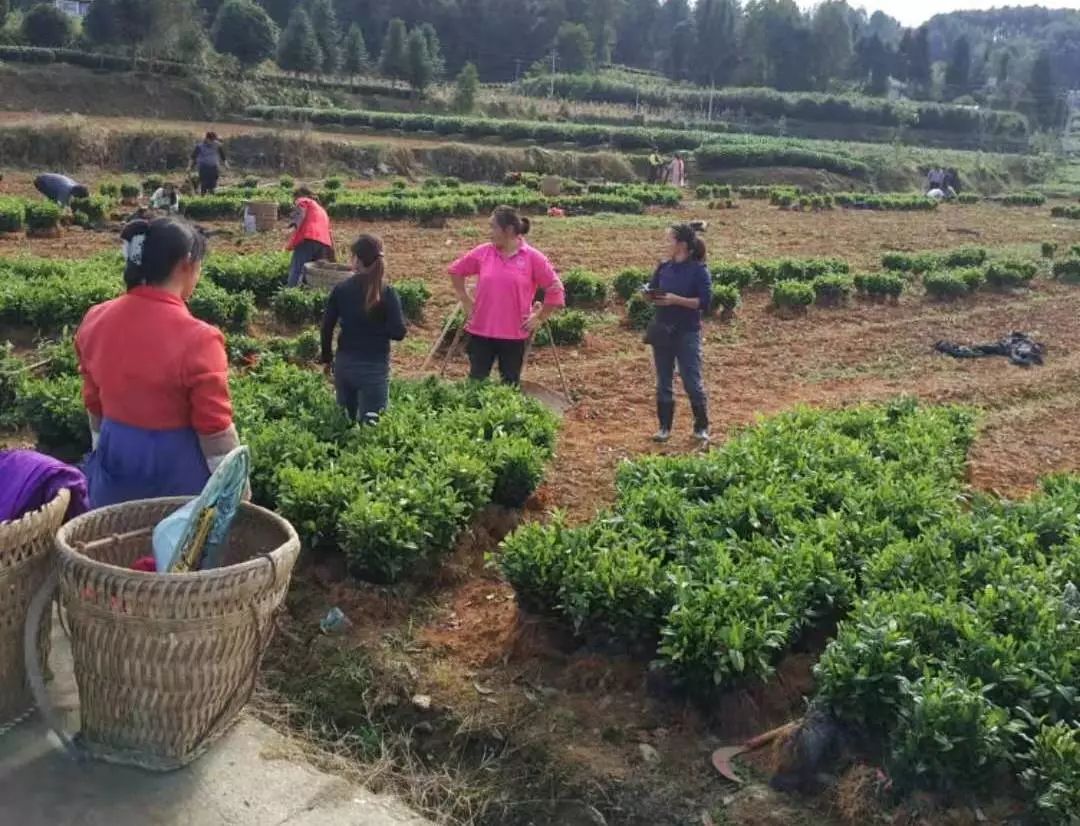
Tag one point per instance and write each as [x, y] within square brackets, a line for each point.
[370, 315]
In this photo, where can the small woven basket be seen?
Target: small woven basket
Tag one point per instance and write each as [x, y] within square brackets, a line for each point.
[26, 546]
[325, 275]
[164, 664]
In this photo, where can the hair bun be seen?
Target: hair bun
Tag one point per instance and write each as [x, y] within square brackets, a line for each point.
[526, 225]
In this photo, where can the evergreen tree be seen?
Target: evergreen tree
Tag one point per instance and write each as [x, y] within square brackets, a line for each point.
[918, 62]
[1044, 92]
[45, 25]
[324, 23]
[575, 47]
[465, 88]
[394, 58]
[832, 38]
[421, 70]
[279, 10]
[431, 37]
[4, 9]
[677, 29]
[356, 60]
[715, 26]
[958, 72]
[767, 31]
[298, 49]
[635, 36]
[245, 31]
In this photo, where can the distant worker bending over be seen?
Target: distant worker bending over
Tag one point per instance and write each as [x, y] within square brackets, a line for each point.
[311, 240]
[60, 188]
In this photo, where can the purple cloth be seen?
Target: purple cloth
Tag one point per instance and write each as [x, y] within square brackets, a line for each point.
[30, 480]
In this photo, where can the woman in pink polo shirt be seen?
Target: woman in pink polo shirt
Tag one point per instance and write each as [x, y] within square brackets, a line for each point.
[500, 312]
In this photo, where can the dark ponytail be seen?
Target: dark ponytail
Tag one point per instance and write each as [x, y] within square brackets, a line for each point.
[152, 249]
[695, 244]
[508, 218]
[368, 250]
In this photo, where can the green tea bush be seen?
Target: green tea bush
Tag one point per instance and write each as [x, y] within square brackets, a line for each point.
[1070, 212]
[127, 190]
[261, 274]
[964, 257]
[880, 285]
[54, 409]
[230, 311]
[109, 189]
[1068, 270]
[725, 298]
[334, 183]
[1049, 249]
[832, 290]
[967, 198]
[414, 297]
[1023, 199]
[96, 208]
[393, 497]
[891, 203]
[566, 328]
[732, 156]
[629, 282]
[1053, 773]
[150, 184]
[298, 305]
[13, 378]
[639, 312]
[584, 289]
[908, 262]
[42, 215]
[946, 285]
[12, 214]
[792, 295]
[739, 276]
[1010, 273]
[949, 736]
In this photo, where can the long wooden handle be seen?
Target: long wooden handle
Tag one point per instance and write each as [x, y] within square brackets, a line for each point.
[442, 337]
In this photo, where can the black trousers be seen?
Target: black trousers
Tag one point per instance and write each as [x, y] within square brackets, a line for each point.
[208, 179]
[484, 351]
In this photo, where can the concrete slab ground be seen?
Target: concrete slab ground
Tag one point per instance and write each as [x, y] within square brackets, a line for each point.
[252, 777]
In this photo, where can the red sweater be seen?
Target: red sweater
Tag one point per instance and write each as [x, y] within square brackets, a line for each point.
[147, 362]
[314, 227]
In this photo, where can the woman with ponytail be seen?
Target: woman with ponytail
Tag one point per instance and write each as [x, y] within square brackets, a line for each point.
[681, 289]
[155, 379]
[370, 315]
[500, 314]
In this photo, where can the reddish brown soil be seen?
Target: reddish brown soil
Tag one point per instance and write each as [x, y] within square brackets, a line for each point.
[473, 649]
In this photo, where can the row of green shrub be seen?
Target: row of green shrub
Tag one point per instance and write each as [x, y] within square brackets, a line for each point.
[392, 498]
[17, 214]
[1003, 274]
[545, 132]
[892, 203]
[1071, 212]
[921, 262]
[768, 152]
[771, 104]
[957, 655]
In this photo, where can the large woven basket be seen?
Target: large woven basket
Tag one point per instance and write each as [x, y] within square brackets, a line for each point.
[164, 664]
[325, 275]
[25, 553]
[266, 214]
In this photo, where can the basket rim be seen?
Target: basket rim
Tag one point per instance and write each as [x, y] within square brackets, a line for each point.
[65, 551]
[29, 515]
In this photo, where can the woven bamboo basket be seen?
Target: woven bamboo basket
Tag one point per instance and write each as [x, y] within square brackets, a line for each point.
[266, 214]
[325, 275]
[164, 664]
[25, 554]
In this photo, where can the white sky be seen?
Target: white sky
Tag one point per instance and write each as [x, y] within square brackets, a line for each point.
[916, 12]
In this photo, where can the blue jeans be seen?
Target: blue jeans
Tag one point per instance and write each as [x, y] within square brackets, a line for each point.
[363, 388]
[685, 351]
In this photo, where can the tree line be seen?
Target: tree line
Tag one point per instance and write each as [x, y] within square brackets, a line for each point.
[1017, 58]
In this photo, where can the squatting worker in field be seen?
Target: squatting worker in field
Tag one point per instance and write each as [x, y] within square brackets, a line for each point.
[681, 289]
[60, 188]
[155, 379]
[207, 159]
[311, 240]
[500, 316]
[369, 312]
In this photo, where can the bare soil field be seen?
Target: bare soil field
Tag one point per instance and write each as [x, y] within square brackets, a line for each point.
[510, 720]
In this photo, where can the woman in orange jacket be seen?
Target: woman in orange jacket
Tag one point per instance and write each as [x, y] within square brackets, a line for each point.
[312, 240]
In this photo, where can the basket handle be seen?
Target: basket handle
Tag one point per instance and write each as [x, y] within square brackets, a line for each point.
[42, 600]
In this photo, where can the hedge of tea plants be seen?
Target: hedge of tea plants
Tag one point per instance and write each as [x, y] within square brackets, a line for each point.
[959, 646]
[391, 498]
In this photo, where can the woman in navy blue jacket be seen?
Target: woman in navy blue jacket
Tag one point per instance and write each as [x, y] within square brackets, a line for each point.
[681, 289]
